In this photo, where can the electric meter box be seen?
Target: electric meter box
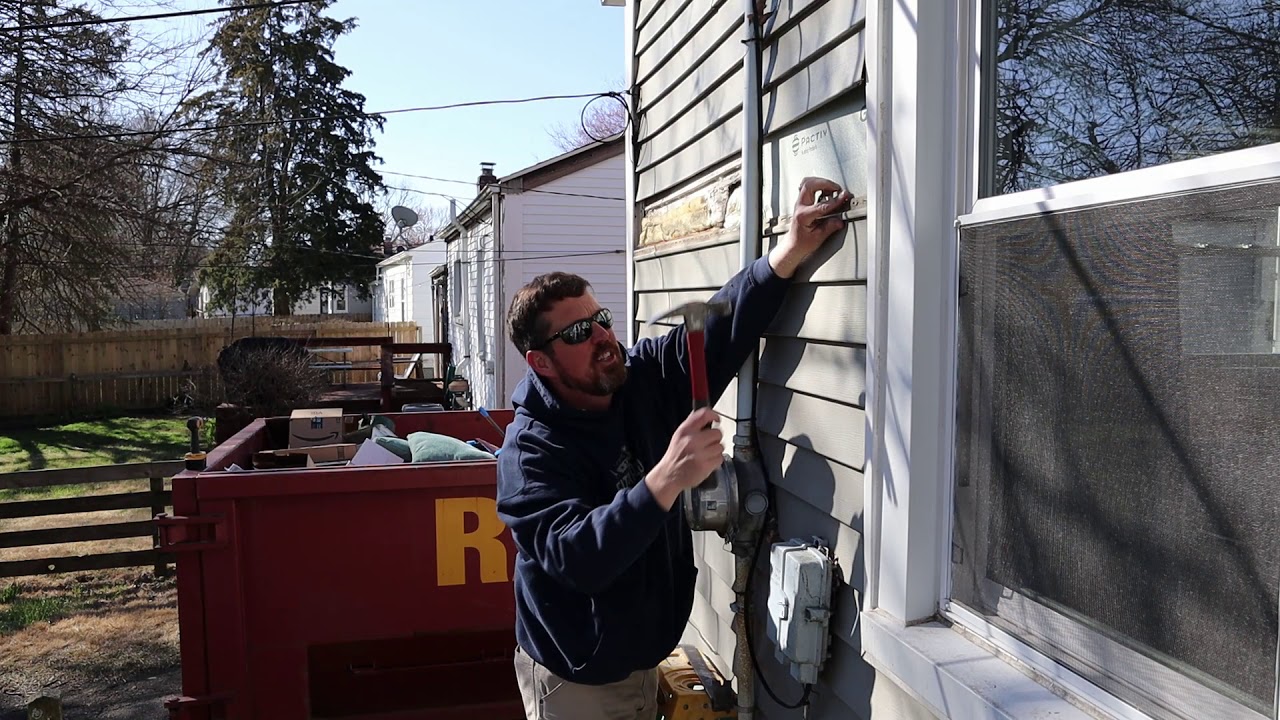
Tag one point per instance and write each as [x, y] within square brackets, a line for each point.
[800, 577]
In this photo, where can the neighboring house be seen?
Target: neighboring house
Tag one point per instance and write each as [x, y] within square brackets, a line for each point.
[562, 214]
[403, 291]
[1030, 397]
[141, 299]
[342, 300]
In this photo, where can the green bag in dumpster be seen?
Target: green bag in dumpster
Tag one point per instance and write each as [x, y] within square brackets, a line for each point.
[431, 447]
[399, 446]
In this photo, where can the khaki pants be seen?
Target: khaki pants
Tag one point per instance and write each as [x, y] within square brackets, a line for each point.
[548, 697]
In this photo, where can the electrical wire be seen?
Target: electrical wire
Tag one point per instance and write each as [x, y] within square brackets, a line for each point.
[476, 260]
[154, 16]
[746, 624]
[425, 192]
[301, 119]
[472, 182]
[626, 113]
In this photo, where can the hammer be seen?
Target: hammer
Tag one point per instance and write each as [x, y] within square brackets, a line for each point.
[695, 316]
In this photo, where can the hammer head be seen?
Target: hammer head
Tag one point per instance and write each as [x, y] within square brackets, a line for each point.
[695, 314]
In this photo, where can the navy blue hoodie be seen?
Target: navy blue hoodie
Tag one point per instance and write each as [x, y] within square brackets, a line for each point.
[604, 577]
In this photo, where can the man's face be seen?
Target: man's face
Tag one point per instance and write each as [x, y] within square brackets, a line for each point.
[595, 366]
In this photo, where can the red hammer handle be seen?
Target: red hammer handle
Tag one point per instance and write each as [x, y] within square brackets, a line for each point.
[698, 369]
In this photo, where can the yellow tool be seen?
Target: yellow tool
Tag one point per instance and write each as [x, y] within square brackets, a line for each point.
[689, 688]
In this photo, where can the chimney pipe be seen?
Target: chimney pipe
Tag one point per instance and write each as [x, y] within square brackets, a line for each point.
[486, 176]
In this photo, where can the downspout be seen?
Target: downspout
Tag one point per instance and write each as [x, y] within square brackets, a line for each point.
[752, 494]
[480, 348]
[499, 347]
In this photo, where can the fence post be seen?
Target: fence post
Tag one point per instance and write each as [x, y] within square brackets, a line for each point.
[158, 507]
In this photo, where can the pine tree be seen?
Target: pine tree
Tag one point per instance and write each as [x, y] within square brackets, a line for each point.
[299, 193]
[57, 196]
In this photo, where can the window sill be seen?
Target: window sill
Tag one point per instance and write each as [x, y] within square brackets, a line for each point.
[956, 678]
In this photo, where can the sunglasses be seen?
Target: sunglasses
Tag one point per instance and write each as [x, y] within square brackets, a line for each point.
[580, 331]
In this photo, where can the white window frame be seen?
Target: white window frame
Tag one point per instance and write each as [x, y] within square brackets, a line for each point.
[924, 183]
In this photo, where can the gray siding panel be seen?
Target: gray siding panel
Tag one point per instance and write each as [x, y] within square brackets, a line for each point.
[676, 86]
[721, 106]
[651, 303]
[705, 268]
[833, 73]
[717, 144]
[796, 47]
[715, 633]
[689, 78]
[829, 487]
[838, 372]
[829, 429]
[785, 13]
[684, 40]
[656, 20]
[828, 313]
[645, 10]
[842, 259]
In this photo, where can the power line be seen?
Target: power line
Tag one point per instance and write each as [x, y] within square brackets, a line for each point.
[425, 192]
[303, 119]
[155, 16]
[472, 182]
[249, 266]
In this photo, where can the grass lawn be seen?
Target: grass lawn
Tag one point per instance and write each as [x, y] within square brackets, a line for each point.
[96, 442]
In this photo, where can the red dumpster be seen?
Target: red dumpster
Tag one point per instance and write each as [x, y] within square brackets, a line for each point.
[344, 592]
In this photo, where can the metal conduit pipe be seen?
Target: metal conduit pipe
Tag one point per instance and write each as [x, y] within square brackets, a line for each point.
[750, 474]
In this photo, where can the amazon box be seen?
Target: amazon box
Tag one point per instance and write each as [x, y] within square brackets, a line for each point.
[315, 426]
[304, 457]
[282, 460]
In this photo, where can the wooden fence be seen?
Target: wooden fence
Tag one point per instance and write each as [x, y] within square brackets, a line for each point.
[156, 499]
[147, 369]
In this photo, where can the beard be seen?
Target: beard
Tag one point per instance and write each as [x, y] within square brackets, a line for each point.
[603, 378]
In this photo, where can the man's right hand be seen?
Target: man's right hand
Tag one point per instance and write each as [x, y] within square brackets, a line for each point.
[694, 453]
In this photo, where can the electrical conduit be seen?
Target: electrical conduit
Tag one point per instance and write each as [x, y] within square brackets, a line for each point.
[743, 448]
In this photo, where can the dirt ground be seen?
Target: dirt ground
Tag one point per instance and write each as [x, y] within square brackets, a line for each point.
[106, 641]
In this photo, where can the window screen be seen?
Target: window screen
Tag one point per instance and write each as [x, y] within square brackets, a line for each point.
[1118, 444]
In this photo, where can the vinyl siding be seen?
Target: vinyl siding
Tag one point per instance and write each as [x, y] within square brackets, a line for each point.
[573, 223]
[471, 261]
[812, 368]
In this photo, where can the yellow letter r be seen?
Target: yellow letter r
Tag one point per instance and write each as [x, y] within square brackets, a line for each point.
[452, 540]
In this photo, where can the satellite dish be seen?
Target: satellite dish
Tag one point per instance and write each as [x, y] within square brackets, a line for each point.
[404, 217]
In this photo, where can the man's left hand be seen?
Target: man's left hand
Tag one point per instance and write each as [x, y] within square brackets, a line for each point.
[810, 224]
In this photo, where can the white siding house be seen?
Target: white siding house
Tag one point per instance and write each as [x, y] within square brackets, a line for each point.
[1029, 400]
[563, 214]
[403, 292]
[342, 300]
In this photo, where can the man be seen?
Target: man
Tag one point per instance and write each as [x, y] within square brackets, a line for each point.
[591, 471]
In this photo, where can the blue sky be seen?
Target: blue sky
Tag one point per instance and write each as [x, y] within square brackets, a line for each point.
[414, 53]
[410, 53]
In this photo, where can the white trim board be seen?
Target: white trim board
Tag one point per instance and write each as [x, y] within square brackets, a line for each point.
[1240, 167]
[954, 677]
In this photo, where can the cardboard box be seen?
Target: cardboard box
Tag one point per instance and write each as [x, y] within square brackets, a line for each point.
[315, 426]
[281, 459]
[330, 453]
[304, 457]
